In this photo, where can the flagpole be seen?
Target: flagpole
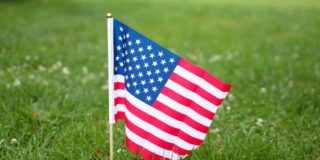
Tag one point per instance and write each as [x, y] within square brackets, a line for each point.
[110, 81]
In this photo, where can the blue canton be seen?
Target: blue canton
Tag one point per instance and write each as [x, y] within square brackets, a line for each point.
[145, 65]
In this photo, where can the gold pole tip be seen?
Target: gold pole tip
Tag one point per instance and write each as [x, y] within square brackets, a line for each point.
[109, 15]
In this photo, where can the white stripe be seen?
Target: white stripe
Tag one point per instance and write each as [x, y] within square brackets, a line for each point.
[110, 70]
[119, 93]
[158, 132]
[192, 96]
[164, 118]
[183, 110]
[120, 108]
[150, 146]
[200, 82]
[118, 78]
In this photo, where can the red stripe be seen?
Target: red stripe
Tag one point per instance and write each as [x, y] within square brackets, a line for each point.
[120, 116]
[195, 88]
[119, 100]
[155, 140]
[179, 116]
[161, 125]
[204, 75]
[143, 152]
[118, 85]
[187, 102]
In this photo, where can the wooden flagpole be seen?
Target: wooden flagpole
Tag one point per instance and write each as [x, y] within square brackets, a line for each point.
[110, 82]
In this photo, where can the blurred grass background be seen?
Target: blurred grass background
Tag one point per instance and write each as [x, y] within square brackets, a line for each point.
[53, 93]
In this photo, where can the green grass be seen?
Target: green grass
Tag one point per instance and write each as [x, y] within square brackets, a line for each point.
[268, 50]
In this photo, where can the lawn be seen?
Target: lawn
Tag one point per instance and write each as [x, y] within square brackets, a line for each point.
[53, 75]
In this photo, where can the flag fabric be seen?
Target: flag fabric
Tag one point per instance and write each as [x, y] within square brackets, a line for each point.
[167, 102]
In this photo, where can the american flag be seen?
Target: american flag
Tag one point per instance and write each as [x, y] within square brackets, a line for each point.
[167, 103]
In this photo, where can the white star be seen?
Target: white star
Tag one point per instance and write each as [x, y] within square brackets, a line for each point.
[148, 98]
[134, 59]
[160, 79]
[154, 89]
[123, 36]
[120, 38]
[140, 49]
[166, 70]
[124, 45]
[149, 73]
[151, 55]
[143, 57]
[129, 68]
[125, 69]
[171, 60]
[122, 54]
[127, 60]
[138, 41]
[121, 64]
[157, 71]
[128, 85]
[138, 66]
[143, 82]
[160, 54]
[127, 35]
[118, 48]
[129, 43]
[145, 90]
[154, 63]
[135, 84]
[149, 47]
[126, 52]
[132, 76]
[127, 76]
[151, 81]
[140, 74]
[117, 57]
[163, 62]
[121, 29]
[132, 51]
[146, 65]
[137, 91]
[116, 68]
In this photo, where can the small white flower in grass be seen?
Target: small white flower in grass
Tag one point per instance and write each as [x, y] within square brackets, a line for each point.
[290, 84]
[27, 58]
[215, 130]
[45, 82]
[13, 141]
[1, 141]
[41, 68]
[36, 58]
[65, 71]
[296, 55]
[277, 58]
[16, 82]
[105, 87]
[231, 97]
[57, 65]
[66, 96]
[259, 122]
[31, 76]
[85, 70]
[215, 58]
[120, 150]
[263, 90]
[228, 108]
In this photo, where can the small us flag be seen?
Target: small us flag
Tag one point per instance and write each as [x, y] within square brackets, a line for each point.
[167, 103]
